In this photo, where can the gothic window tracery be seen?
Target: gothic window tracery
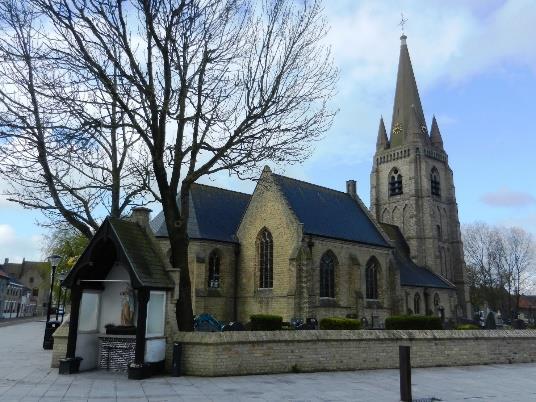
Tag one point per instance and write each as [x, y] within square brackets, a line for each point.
[214, 270]
[266, 259]
[327, 275]
[417, 303]
[435, 184]
[371, 280]
[436, 300]
[395, 183]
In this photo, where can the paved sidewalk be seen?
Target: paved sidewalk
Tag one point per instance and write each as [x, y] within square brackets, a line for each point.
[14, 321]
[25, 375]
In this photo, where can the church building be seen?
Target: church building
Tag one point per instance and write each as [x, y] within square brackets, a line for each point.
[300, 250]
[291, 248]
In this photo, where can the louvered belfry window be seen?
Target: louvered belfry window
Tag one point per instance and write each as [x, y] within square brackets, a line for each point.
[434, 179]
[327, 275]
[395, 183]
[266, 259]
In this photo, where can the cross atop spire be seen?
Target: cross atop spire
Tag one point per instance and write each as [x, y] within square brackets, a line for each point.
[402, 23]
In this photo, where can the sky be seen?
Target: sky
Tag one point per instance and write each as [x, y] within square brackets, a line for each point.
[475, 65]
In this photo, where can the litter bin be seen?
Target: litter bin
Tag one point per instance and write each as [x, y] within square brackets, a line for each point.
[48, 340]
[176, 364]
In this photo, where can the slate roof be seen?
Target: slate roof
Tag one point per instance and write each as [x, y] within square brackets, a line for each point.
[329, 213]
[138, 251]
[4, 274]
[412, 274]
[215, 214]
[17, 269]
[10, 277]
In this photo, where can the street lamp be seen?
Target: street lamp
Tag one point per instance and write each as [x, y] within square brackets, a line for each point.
[61, 277]
[48, 341]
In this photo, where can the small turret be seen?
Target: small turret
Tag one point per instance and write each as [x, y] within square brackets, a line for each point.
[382, 142]
[435, 135]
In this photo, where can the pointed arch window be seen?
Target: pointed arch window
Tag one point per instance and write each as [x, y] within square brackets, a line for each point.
[417, 304]
[266, 259]
[371, 274]
[395, 183]
[327, 275]
[214, 270]
[434, 182]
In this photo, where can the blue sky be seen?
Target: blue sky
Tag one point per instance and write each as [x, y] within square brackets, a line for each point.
[475, 65]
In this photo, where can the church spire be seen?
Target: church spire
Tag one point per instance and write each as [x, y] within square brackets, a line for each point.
[406, 96]
[435, 135]
[414, 131]
[382, 141]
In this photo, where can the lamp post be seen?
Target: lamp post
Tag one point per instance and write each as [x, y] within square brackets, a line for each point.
[61, 277]
[50, 327]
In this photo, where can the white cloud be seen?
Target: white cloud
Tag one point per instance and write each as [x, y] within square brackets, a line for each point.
[505, 197]
[16, 247]
[449, 43]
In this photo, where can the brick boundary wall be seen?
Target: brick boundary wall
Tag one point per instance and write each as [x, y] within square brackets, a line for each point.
[241, 353]
[60, 345]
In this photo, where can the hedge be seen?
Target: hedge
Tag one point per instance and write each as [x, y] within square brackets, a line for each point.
[266, 322]
[339, 323]
[467, 326]
[412, 322]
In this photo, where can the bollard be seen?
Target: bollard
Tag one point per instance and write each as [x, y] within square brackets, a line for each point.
[176, 363]
[405, 373]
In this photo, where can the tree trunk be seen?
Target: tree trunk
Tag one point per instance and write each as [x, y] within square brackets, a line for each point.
[179, 251]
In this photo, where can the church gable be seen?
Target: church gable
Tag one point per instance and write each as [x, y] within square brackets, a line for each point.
[270, 237]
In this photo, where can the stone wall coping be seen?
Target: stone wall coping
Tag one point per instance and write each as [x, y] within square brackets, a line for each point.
[63, 330]
[345, 335]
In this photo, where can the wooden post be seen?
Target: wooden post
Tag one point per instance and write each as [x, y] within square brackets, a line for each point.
[405, 373]
[76, 297]
[143, 299]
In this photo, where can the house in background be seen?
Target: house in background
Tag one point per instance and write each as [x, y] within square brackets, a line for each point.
[4, 282]
[527, 308]
[16, 300]
[35, 276]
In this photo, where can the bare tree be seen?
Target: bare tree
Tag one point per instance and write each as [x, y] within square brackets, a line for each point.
[63, 148]
[209, 85]
[483, 249]
[500, 264]
[520, 260]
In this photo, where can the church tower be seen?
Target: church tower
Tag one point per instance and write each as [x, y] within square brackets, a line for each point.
[412, 184]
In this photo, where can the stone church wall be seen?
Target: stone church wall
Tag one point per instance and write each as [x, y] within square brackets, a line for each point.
[349, 280]
[216, 301]
[268, 209]
[241, 353]
[447, 299]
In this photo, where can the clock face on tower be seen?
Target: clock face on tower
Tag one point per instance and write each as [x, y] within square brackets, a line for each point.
[397, 129]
